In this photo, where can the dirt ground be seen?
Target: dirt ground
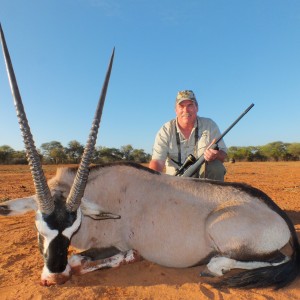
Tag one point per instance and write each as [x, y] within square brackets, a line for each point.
[21, 263]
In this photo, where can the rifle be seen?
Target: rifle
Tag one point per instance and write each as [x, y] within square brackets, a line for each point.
[191, 165]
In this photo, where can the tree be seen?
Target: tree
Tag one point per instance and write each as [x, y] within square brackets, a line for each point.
[258, 156]
[74, 151]
[126, 152]
[53, 152]
[240, 153]
[276, 150]
[19, 158]
[105, 154]
[58, 155]
[139, 156]
[6, 153]
[294, 150]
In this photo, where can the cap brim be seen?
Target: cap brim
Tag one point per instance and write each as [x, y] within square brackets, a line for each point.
[181, 100]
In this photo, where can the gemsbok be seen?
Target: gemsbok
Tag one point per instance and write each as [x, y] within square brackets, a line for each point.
[118, 213]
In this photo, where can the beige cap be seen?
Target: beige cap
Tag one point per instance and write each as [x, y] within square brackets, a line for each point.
[185, 95]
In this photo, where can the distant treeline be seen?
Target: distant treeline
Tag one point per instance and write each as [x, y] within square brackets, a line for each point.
[276, 151]
[54, 153]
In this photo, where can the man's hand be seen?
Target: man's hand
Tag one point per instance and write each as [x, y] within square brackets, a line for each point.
[211, 154]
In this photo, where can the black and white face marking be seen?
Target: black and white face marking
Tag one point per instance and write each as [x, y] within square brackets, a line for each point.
[54, 235]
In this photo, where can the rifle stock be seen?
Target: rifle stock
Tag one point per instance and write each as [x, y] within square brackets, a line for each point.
[191, 170]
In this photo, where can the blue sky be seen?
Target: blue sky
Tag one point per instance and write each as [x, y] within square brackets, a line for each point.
[230, 53]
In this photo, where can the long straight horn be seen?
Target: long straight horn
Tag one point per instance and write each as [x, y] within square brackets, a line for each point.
[78, 187]
[44, 198]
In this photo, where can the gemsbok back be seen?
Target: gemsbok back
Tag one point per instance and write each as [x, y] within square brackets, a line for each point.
[118, 213]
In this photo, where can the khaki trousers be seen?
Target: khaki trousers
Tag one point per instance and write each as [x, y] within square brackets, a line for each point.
[214, 170]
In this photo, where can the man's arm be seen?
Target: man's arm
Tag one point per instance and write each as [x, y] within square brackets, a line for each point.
[157, 165]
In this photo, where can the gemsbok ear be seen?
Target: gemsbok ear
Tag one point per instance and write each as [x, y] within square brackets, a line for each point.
[18, 206]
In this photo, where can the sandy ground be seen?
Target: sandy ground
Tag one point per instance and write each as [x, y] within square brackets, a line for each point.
[21, 262]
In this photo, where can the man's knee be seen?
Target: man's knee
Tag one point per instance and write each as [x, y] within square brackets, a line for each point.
[214, 170]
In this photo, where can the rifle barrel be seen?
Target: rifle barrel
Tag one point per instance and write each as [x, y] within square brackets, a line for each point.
[233, 124]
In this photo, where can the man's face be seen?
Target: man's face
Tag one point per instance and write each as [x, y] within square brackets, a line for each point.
[186, 112]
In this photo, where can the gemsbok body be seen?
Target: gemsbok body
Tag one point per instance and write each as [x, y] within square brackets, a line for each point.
[117, 213]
